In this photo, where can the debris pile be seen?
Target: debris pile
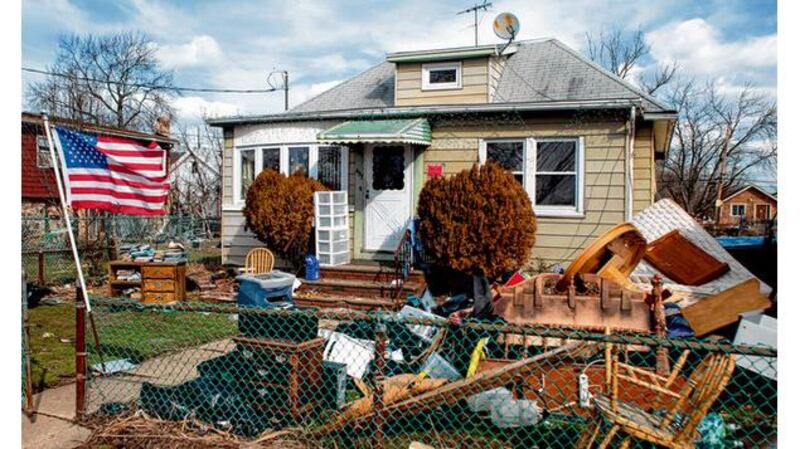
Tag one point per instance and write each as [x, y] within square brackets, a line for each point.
[215, 286]
[175, 252]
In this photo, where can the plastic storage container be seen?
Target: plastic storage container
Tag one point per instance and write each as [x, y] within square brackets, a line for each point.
[270, 290]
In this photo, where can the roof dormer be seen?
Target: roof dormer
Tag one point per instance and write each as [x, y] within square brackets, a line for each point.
[464, 75]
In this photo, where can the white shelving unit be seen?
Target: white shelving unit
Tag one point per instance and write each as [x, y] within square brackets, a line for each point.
[332, 227]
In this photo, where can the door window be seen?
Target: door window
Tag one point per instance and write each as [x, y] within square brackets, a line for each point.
[388, 164]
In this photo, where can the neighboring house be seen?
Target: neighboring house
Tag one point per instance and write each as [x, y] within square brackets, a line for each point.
[582, 142]
[751, 204]
[39, 188]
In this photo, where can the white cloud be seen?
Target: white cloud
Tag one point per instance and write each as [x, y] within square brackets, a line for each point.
[200, 51]
[699, 48]
[193, 108]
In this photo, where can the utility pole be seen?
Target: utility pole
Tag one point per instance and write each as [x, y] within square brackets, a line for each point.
[474, 9]
[285, 90]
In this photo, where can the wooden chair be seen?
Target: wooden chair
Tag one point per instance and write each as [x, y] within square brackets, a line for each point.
[693, 401]
[259, 261]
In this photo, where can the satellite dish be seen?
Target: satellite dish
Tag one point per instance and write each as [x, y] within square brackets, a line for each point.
[506, 26]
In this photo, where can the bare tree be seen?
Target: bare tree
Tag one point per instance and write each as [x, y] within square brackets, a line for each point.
[620, 52]
[108, 80]
[195, 175]
[717, 137]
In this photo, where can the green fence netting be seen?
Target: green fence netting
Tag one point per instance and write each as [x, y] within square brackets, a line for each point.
[399, 380]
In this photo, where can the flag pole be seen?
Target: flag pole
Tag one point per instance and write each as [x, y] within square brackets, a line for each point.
[68, 221]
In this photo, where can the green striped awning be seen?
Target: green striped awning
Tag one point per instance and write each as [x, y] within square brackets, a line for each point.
[416, 131]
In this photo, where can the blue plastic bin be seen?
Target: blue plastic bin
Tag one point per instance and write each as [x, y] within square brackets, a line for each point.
[268, 290]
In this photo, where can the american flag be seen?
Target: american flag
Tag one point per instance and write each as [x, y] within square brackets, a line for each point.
[116, 174]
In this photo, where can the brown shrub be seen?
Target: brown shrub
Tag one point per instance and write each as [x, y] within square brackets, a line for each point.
[479, 221]
[280, 211]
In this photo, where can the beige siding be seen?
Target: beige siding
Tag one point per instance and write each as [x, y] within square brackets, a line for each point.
[559, 239]
[496, 66]
[643, 168]
[227, 166]
[474, 85]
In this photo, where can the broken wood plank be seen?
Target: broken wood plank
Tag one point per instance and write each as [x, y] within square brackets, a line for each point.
[453, 392]
[717, 311]
[682, 261]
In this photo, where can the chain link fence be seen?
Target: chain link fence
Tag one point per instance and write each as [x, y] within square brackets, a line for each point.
[46, 252]
[342, 379]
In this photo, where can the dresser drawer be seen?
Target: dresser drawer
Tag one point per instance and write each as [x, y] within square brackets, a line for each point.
[158, 285]
[156, 272]
[157, 297]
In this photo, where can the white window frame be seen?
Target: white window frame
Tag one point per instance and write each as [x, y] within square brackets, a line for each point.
[45, 161]
[744, 210]
[426, 76]
[529, 150]
[313, 158]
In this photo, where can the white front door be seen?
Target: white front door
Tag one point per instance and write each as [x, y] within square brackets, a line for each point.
[388, 178]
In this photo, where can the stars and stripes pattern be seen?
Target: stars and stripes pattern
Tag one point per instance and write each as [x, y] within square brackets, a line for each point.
[116, 174]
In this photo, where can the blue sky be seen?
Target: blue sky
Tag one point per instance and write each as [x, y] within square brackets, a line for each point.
[236, 44]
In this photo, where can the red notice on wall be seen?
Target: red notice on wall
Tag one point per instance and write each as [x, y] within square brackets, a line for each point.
[435, 170]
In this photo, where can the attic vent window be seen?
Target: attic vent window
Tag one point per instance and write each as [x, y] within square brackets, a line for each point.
[441, 76]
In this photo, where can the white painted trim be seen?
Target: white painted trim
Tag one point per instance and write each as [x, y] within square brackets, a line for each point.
[530, 150]
[751, 186]
[313, 159]
[426, 69]
[744, 209]
[369, 149]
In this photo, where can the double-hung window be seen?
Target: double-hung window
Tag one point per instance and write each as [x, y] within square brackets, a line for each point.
[328, 164]
[43, 159]
[738, 210]
[550, 170]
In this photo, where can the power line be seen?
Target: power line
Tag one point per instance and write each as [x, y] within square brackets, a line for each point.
[153, 86]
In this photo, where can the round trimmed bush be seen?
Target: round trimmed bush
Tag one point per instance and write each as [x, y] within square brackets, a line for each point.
[279, 209]
[479, 221]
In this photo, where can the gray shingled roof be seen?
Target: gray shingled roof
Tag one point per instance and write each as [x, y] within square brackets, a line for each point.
[548, 70]
[373, 88]
[541, 71]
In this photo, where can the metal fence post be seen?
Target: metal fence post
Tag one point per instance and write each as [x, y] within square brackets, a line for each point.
[80, 354]
[41, 276]
[377, 396]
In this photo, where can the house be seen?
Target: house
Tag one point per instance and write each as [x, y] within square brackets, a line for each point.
[751, 204]
[582, 141]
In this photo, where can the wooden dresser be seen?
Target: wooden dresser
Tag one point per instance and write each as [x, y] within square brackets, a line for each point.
[160, 282]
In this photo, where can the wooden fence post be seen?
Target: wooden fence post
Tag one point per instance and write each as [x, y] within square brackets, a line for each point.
[80, 354]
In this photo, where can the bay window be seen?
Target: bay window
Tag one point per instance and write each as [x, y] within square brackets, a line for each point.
[247, 171]
[328, 164]
[298, 160]
[550, 170]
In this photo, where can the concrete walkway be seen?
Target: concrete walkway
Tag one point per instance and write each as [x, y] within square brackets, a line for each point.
[46, 432]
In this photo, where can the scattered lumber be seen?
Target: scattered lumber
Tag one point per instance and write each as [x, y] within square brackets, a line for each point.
[717, 311]
[452, 392]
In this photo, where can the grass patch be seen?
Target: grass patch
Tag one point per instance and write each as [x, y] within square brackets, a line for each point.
[137, 335]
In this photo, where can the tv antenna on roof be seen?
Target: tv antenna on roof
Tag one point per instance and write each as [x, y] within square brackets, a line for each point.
[506, 26]
[474, 9]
